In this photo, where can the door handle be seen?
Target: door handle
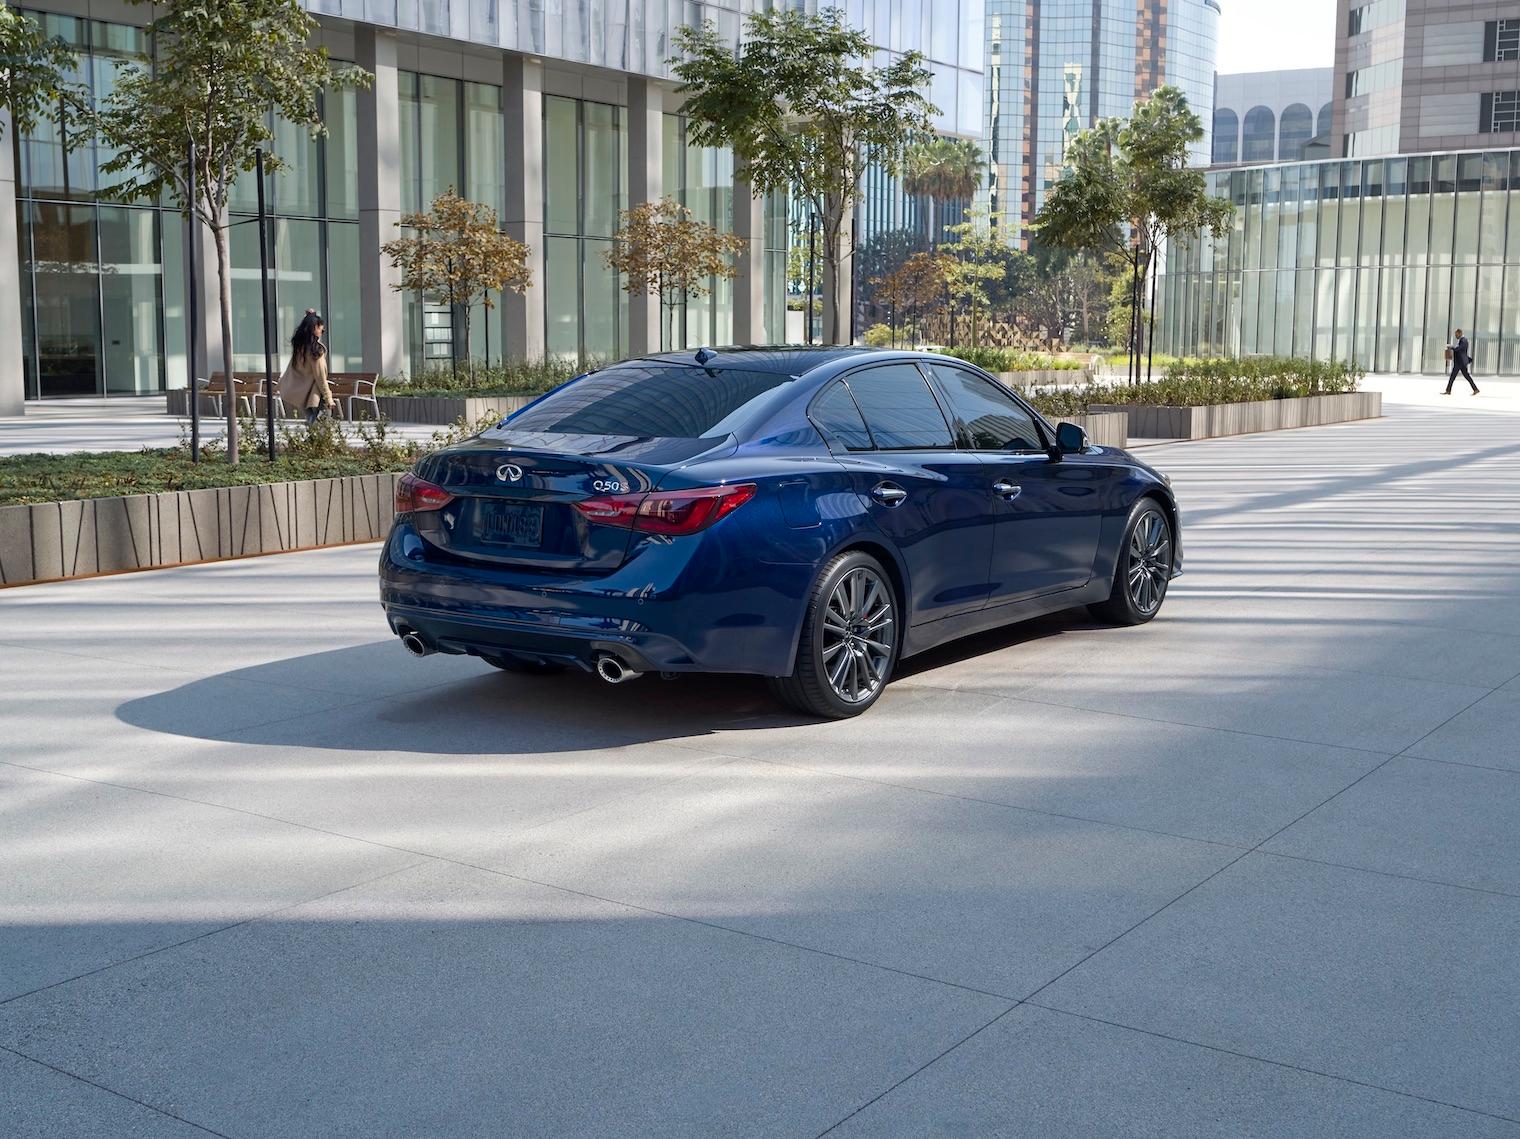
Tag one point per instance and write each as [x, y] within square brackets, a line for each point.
[888, 494]
[1007, 491]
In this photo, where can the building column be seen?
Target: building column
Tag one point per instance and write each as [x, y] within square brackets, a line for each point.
[839, 300]
[208, 298]
[12, 376]
[749, 285]
[382, 312]
[522, 314]
[646, 183]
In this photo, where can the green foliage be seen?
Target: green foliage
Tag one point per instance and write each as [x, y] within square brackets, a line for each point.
[514, 377]
[1012, 360]
[1202, 383]
[878, 336]
[806, 112]
[35, 78]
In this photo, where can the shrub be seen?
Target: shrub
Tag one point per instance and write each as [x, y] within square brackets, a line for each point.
[878, 336]
[513, 377]
[1011, 360]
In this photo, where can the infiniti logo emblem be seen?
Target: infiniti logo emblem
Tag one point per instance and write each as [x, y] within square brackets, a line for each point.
[508, 472]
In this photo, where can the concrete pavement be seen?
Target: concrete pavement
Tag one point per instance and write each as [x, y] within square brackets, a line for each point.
[1253, 869]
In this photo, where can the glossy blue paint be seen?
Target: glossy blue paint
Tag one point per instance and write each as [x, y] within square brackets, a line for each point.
[731, 598]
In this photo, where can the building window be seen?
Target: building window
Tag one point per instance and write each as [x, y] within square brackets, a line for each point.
[1501, 41]
[1295, 129]
[1226, 135]
[1499, 112]
[1260, 140]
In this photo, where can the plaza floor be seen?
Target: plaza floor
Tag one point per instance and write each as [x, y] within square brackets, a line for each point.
[1250, 870]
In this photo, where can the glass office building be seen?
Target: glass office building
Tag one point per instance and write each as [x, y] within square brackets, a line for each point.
[1371, 261]
[1055, 67]
[555, 115]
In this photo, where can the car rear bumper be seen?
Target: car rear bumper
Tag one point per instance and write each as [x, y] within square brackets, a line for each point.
[696, 607]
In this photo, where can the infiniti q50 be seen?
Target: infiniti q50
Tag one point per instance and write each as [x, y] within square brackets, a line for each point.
[812, 516]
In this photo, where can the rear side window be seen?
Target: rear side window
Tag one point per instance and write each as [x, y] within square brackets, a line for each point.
[650, 401]
[835, 414]
[899, 408]
[994, 419]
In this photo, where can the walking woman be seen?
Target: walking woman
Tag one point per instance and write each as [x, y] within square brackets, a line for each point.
[304, 382]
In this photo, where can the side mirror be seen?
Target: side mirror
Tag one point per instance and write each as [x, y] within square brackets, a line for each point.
[1070, 438]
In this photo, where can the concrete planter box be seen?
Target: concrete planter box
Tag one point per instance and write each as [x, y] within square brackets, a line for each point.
[446, 409]
[1147, 421]
[1107, 429]
[52, 541]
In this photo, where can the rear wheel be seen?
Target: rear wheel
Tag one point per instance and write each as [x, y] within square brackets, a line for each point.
[524, 666]
[1144, 567]
[849, 643]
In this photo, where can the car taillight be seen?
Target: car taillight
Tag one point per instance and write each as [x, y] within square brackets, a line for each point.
[668, 511]
[414, 494]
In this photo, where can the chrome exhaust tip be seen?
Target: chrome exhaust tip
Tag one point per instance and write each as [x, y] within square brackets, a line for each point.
[614, 671]
[412, 641]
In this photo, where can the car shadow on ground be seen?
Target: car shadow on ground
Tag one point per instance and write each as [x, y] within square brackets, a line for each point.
[372, 697]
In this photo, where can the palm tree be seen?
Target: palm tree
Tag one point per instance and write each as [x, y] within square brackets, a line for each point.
[944, 170]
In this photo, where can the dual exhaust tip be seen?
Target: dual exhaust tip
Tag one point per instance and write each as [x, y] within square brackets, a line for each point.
[607, 666]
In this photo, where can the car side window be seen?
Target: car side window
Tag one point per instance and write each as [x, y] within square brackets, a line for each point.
[900, 409]
[994, 419]
[835, 414]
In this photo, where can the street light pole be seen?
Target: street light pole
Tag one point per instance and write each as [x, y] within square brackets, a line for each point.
[258, 159]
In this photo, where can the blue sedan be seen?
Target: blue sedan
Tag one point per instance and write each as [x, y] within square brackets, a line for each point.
[808, 515]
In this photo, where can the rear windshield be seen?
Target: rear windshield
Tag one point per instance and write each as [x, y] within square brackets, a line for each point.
[642, 400]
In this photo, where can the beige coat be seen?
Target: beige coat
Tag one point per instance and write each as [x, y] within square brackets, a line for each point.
[304, 382]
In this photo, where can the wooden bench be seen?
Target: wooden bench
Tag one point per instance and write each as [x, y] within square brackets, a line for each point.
[247, 389]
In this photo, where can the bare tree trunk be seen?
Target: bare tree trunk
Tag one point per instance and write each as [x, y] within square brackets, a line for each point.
[224, 281]
[1151, 342]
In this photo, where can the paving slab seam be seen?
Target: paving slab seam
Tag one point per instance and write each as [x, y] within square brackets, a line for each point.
[156, 950]
[465, 864]
[1460, 762]
[1387, 873]
[791, 766]
[1025, 699]
[112, 1091]
[1269, 1060]
[922, 1067]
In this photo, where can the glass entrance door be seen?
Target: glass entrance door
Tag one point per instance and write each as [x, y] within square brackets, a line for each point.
[67, 299]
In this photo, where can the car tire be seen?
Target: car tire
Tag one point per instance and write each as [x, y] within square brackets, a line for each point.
[1143, 568]
[524, 667]
[850, 641]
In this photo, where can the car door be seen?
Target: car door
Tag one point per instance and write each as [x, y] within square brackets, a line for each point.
[1049, 511]
[929, 499]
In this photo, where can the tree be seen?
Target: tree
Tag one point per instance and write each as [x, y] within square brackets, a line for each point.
[1127, 188]
[913, 286]
[457, 256]
[804, 111]
[943, 170]
[222, 67]
[975, 263]
[33, 83]
[661, 249]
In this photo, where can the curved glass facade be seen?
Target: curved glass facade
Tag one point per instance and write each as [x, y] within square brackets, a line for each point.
[1371, 261]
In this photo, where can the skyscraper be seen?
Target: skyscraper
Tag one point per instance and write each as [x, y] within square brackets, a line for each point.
[1057, 66]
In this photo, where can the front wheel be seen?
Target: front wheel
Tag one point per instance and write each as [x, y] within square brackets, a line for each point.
[1144, 567]
[849, 643]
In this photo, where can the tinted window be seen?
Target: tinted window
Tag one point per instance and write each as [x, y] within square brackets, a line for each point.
[899, 408]
[993, 419]
[650, 401]
[838, 418]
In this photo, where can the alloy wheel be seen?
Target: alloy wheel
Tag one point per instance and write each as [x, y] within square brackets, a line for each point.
[859, 635]
[1150, 561]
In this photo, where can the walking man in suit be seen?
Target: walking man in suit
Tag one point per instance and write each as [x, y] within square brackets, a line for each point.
[1461, 359]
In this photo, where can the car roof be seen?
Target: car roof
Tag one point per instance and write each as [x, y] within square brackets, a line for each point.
[790, 360]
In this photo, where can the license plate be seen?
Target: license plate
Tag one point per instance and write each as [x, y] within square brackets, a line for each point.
[511, 524]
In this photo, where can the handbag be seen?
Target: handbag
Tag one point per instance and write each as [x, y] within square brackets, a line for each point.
[1448, 353]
